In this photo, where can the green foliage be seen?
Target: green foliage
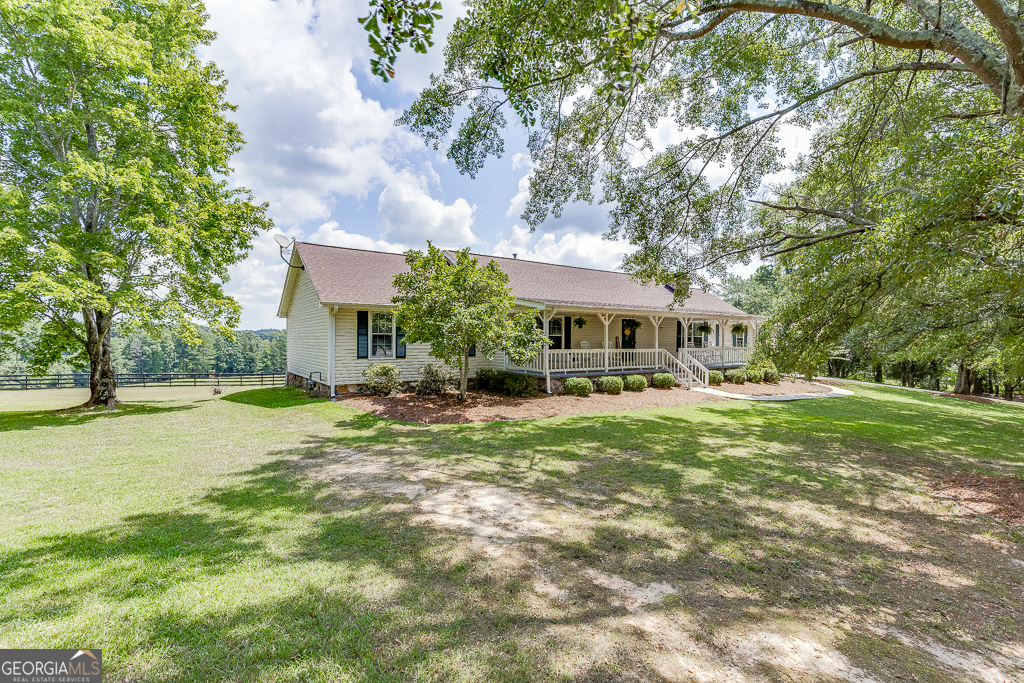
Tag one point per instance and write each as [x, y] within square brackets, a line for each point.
[760, 368]
[754, 295]
[488, 379]
[505, 382]
[715, 377]
[578, 386]
[915, 165]
[381, 379]
[114, 199]
[663, 380]
[517, 386]
[704, 328]
[434, 379]
[580, 322]
[612, 384]
[455, 306]
[736, 376]
[634, 383]
[392, 23]
[754, 375]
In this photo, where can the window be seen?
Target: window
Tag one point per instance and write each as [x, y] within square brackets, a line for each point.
[739, 339]
[555, 332]
[695, 339]
[383, 334]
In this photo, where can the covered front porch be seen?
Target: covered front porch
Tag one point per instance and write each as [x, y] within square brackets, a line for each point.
[589, 342]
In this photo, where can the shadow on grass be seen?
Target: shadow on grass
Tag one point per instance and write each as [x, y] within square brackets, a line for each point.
[73, 417]
[759, 515]
[276, 397]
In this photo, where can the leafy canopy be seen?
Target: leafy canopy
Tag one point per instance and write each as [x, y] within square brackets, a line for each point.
[455, 306]
[598, 83]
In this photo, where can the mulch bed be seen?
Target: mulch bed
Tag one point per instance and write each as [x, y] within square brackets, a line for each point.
[1001, 497]
[784, 387]
[488, 407]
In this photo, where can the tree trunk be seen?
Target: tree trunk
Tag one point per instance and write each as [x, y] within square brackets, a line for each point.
[464, 374]
[102, 379]
[976, 382]
[963, 376]
[1008, 391]
[878, 373]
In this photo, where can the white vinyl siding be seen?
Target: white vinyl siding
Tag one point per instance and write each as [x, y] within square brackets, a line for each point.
[349, 369]
[307, 330]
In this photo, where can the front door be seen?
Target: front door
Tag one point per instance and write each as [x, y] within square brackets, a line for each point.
[629, 333]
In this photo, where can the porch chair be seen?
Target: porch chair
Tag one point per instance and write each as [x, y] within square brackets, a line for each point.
[584, 345]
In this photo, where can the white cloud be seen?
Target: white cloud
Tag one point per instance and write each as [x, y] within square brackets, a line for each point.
[408, 214]
[332, 233]
[312, 135]
[518, 203]
[572, 248]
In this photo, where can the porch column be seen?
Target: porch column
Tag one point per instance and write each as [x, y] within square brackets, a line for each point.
[606, 318]
[657, 346]
[547, 372]
[330, 348]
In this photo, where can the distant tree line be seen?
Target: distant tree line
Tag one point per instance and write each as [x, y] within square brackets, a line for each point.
[250, 351]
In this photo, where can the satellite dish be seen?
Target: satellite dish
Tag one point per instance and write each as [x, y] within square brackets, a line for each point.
[282, 241]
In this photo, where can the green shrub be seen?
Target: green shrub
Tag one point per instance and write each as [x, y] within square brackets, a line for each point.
[578, 386]
[610, 384]
[772, 375]
[715, 377]
[489, 380]
[434, 379]
[634, 383]
[517, 386]
[382, 379]
[754, 374]
[663, 380]
[736, 376]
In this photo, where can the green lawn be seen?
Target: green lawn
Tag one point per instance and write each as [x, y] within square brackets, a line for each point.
[262, 536]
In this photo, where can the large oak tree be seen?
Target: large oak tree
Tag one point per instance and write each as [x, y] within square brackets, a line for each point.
[915, 108]
[114, 152]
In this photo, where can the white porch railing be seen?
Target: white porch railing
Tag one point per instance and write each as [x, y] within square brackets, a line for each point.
[563, 362]
[728, 355]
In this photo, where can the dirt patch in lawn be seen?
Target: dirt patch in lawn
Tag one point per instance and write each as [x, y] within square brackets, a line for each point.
[800, 587]
[488, 407]
[1002, 497]
[783, 388]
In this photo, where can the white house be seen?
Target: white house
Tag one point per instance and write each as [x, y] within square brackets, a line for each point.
[337, 303]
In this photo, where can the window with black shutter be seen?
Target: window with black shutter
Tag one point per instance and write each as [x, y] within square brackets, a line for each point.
[472, 350]
[399, 342]
[568, 332]
[362, 334]
[679, 334]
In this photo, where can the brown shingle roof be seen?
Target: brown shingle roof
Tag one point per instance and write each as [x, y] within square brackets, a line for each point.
[355, 276]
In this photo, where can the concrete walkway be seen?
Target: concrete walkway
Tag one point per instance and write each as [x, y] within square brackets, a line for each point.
[835, 392]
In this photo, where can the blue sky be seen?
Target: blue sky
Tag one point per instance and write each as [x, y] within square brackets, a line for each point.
[323, 151]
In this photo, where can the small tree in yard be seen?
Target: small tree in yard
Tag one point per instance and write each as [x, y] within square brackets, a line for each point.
[454, 307]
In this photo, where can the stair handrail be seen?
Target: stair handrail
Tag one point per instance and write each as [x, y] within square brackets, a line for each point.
[694, 367]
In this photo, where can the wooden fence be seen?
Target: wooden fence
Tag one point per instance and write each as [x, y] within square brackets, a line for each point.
[149, 379]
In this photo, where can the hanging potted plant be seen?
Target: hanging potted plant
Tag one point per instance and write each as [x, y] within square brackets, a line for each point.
[580, 322]
[703, 328]
[739, 329]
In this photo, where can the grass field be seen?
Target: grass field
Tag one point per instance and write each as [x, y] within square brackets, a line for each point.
[263, 536]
